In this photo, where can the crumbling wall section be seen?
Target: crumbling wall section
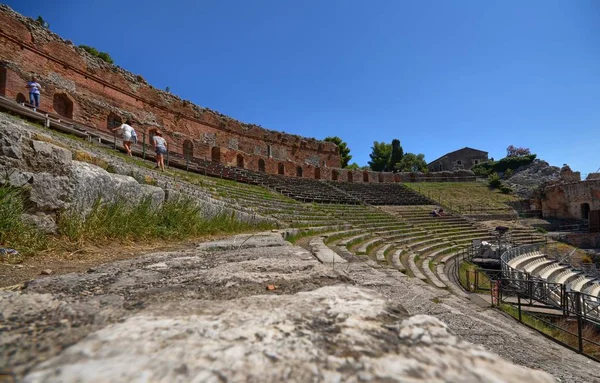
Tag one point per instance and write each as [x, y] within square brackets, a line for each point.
[567, 200]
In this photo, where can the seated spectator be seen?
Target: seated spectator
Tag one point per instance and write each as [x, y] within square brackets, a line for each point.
[441, 213]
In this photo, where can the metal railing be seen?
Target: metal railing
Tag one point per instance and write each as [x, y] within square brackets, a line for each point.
[573, 325]
[533, 301]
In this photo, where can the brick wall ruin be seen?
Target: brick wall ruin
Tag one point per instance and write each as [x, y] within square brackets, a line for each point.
[83, 88]
[571, 200]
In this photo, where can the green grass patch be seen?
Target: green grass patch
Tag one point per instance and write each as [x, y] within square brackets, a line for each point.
[14, 232]
[465, 197]
[563, 330]
[177, 219]
[335, 237]
[527, 319]
[303, 234]
[466, 274]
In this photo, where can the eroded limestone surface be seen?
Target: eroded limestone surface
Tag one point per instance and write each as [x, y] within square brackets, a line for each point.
[204, 314]
[335, 333]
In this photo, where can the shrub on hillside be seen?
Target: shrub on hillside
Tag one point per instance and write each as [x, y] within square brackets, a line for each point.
[505, 189]
[513, 163]
[94, 52]
[484, 169]
[494, 181]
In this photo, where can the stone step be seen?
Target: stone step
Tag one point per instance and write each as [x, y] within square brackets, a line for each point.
[346, 241]
[395, 258]
[425, 251]
[323, 253]
[431, 275]
[380, 254]
[412, 265]
[362, 249]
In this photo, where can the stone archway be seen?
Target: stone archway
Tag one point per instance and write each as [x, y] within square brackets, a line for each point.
[365, 176]
[585, 211]
[335, 175]
[350, 177]
[317, 173]
[299, 171]
[240, 161]
[188, 149]
[21, 99]
[215, 154]
[380, 177]
[261, 165]
[63, 105]
[281, 169]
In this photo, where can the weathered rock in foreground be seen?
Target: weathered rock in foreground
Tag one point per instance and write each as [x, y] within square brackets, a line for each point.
[335, 333]
[55, 181]
[205, 314]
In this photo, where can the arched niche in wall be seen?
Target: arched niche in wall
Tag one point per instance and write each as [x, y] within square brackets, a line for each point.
[188, 149]
[317, 173]
[63, 105]
[215, 154]
[240, 161]
[21, 99]
[396, 177]
[113, 120]
[380, 177]
[585, 210]
[281, 169]
[365, 176]
[335, 175]
[350, 177]
[261, 165]
[299, 171]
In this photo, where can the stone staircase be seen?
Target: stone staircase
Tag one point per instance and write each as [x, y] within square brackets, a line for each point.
[402, 238]
[405, 239]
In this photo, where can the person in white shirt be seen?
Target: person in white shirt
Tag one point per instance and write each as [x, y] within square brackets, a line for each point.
[34, 93]
[160, 147]
[127, 133]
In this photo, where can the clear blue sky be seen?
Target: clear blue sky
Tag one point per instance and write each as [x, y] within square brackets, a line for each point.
[438, 75]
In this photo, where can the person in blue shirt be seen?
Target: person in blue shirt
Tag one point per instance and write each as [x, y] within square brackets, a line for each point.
[34, 93]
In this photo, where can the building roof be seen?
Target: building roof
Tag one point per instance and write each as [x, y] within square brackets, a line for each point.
[466, 147]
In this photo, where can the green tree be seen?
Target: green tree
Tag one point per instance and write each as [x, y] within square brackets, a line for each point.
[345, 156]
[43, 23]
[411, 162]
[397, 153]
[353, 166]
[380, 156]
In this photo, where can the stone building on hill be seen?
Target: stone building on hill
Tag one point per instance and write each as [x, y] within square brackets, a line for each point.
[464, 158]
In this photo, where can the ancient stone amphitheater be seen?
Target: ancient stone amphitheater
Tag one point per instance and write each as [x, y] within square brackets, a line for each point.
[366, 293]
[365, 258]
